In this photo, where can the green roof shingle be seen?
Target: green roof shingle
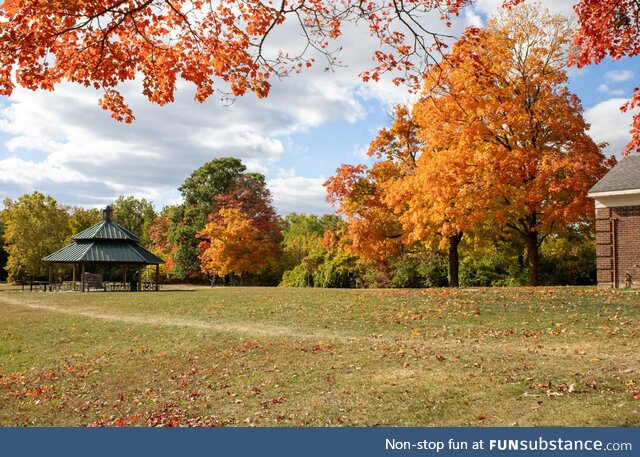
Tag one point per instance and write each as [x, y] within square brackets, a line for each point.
[103, 252]
[106, 230]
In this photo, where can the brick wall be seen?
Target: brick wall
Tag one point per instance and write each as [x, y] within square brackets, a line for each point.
[618, 246]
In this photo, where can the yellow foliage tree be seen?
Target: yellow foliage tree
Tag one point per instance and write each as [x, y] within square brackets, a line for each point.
[35, 226]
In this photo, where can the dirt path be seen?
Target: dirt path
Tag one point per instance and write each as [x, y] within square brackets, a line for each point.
[251, 329]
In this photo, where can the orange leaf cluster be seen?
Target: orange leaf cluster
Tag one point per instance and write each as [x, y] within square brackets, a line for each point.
[607, 28]
[235, 245]
[207, 43]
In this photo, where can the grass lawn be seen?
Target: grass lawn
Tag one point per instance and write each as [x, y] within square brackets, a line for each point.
[313, 357]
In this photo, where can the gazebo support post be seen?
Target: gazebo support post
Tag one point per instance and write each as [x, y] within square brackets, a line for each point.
[82, 277]
[50, 275]
[73, 276]
[124, 282]
[139, 270]
[157, 275]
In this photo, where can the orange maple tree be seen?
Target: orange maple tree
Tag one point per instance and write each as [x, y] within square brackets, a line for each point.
[405, 198]
[208, 43]
[429, 207]
[372, 230]
[607, 28]
[243, 234]
[235, 245]
[501, 116]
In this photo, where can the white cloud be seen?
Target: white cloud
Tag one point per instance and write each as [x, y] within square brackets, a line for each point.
[618, 76]
[299, 194]
[488, 7]
[604, 88]
[64, 137]
[491, 7]
[472, 19]
[63, 144]
[610, 125]
[360, 152]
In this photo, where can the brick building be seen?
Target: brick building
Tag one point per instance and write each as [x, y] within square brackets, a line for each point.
[617, 199]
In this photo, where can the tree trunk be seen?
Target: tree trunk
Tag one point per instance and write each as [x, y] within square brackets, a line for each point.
[454, 260]
[534, 258]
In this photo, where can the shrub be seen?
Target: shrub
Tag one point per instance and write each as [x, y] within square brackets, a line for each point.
[338, 270]
[568, 261]
[489, 269]
[420, 270]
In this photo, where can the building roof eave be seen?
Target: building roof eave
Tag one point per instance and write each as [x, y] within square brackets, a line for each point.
[613, 193]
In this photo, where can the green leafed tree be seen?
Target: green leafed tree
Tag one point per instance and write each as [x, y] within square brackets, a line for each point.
[3, 253]
[82, 218]
[304, 234]
[35, 226]
[135, 215]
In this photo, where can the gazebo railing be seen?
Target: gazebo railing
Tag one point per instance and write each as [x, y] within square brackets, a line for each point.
[71, 286]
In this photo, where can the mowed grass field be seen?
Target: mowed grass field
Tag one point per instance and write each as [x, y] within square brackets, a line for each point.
[313, 357]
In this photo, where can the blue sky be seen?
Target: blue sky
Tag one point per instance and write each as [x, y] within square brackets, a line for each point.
[63, 144]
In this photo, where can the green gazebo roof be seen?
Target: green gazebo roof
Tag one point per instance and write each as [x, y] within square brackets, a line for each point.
[105, 242]
[106, 230]
[103, 252]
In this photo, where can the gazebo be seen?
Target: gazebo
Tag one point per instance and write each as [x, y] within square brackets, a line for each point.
[107, 244]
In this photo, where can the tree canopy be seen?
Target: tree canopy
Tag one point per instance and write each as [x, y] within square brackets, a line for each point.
[134, 214]
[4, 256]
[243, 235]
[226, 45]
[83, 218]
[209, 188]
[496, 136]
[35, 226]
[230, 46]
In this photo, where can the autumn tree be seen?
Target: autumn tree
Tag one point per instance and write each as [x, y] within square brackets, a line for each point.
[35, 226]
[430, 210]
[249, 194]
[361, 192]
[397, 203]
[439, 204]
[243, 233]
[224, 45]
[199, 192]
[160, 228]
[607, 28]
[235, 245]
[500, 109]
[373, 231]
